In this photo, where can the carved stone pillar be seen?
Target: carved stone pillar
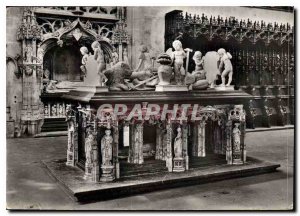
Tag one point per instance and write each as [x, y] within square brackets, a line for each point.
[217, 144]
[185, 146]
[29, 33]
[72, 138]
[164, 145]
[116, 151]
[223, 138]
[194, 140]
[243, 145]
[201, 139]
[229, 141]
[236, 151]
[168, 140]
[136, 144]
[159, 143]
[95, 160]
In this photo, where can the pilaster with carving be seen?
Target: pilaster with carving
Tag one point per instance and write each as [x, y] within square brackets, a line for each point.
[136, 143]
[236, 151]
[108, 123]
[185, 145]
[201, 139]
[116, 150]
[92, 171]
[169, 150]
[72, 136]
[159, 142]
[29, 33]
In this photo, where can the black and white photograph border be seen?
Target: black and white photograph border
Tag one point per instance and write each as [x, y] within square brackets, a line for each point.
[142, 107]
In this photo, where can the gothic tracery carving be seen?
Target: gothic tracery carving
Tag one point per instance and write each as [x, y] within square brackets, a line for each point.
[232, 28]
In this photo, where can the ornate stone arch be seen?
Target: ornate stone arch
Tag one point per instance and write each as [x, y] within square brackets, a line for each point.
[77, 29]
[43, 28]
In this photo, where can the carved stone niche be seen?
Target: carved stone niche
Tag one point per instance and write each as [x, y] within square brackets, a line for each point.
[63, 63]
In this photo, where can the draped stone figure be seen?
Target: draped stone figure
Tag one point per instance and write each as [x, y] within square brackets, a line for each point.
[178, 144]
[106, 148]
[88, 148]
[91, 156]
[178, 160]
[236, 135]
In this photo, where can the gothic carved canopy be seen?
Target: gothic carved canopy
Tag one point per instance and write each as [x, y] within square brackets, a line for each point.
[45, 27]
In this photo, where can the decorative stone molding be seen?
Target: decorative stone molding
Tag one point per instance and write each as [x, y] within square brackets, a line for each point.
[232, 28]
[29, 28]
[72, 136]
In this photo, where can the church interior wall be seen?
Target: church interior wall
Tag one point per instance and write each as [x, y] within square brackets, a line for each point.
[13, 49]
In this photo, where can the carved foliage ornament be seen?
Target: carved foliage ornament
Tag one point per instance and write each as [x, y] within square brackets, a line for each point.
[29, 28]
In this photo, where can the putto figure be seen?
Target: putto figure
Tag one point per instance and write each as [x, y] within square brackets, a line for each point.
[177, 57]
[197, 80]
[226, 66]
[99, 57]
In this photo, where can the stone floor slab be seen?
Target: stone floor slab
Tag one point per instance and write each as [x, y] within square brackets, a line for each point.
[71, 178]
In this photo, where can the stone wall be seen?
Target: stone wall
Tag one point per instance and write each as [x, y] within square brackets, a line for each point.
[13, 48]
[147, 24]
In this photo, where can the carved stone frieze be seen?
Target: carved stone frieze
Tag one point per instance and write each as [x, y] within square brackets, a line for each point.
[231, 28]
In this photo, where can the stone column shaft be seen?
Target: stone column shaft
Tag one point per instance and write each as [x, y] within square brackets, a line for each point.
[136, 144]
[185, 146]
[169, 155]
[201, 139]
[229, 142]
[159, 144]
[72, 139]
